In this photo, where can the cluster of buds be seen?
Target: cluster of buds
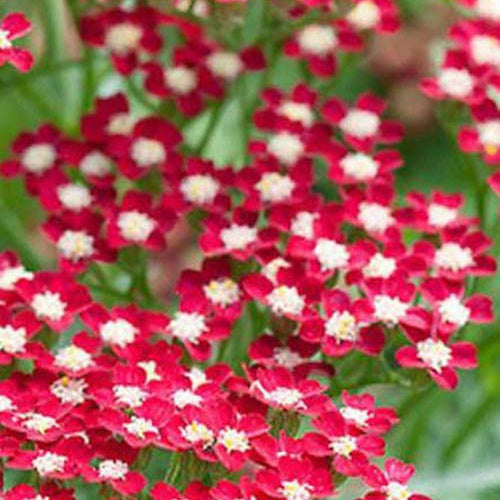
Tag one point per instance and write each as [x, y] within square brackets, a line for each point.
[232, 392]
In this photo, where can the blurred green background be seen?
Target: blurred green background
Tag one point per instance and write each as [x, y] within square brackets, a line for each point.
[453, 438]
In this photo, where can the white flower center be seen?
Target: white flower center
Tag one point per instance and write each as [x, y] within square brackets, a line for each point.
[48, 305]
[197, 377]
[441, 215]
[123, 38]
[76, 245]
[453, 257]
[287, 358]
[73, 358]
[12, 340]
[342, 326]
[225, 65]
[360, 123]
[379, 266]
[397, 491]
[118, 332]
[38, 158]
[389, 309]
[185, 397]
[456, 82]
[364, 15]
[148, 152]
[11, 275]
[286, 397]
[188, 327]
[270, 270]
[48, 463]
[330, 254]
[38, 422]
[489, 9]
[356, 415]
[374, 217]
[233, 440]
[489, 135]
[149, 368]
[74, 197]
[286, 147]
[274, 187]
[222, 292]
[434, 353]
[303, 224]
[135, 226]
[453, 311]
[139, 427]
[95, 164]
[113, 469]
[196, 432]
[130, 395]
[181, 79]
[237, 237]
[69, 390]
[485, 50]
[286, 300]
[5, 42]
[199, 188]
[359, 166]
[121, 123]
[343, 445]
[317, 39]
[297, 112]
[6, 403]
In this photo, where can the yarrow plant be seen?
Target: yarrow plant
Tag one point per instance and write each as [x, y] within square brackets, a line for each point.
[232, 387]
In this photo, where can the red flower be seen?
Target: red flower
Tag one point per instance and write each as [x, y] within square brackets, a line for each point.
[11, 272]
[13, 26]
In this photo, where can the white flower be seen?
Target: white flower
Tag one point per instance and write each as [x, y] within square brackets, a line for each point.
[330, 254]
[434, 353]
[233, 440]
[12, 340]
[48, 305]
[73, 358]
[359, 166]
[360, 123]
[274, 187]
[188, 327]
[317, 39]
[148, 152]
[238, 237]
[95, 164]
[365, 15]
[285, 300]
[38, 158]
[123, 38]
[457, 83]
[342, 326]
[453, 311]
[118, 332]
[76, 245]
[297, 111]
[200, 189]
[225, 65]
[74, 197]
[286, 147]
[181, 79]
[48, 463]
[453, 257]
[135, 226]
[113, 469]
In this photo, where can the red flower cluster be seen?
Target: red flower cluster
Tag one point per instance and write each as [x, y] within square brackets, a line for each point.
[230, 391]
